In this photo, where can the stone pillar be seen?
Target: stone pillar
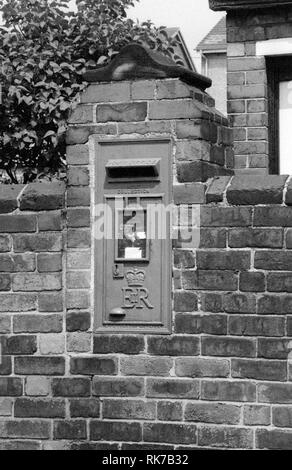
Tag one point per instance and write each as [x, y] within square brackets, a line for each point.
[171, 103]
[176, 106]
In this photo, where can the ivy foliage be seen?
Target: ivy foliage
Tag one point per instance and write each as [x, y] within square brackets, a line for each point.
[44, 50]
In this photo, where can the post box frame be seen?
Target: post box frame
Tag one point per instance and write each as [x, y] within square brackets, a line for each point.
[163, 326]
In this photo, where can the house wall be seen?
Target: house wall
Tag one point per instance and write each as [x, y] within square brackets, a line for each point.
[247, 82]
[217, 70]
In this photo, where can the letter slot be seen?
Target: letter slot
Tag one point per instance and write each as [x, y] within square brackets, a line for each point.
[127, 170]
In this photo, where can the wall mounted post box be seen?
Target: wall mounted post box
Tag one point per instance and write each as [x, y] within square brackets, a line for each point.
[132, 235]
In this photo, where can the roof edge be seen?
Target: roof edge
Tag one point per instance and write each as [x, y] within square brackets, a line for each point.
[221, 5]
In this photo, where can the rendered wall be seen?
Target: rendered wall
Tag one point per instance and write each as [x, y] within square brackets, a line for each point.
[217, 71]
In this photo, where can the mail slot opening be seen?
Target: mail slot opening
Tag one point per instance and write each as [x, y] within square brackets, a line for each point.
[129, 170]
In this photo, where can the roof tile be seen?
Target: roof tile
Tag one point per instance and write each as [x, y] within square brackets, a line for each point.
[215, 39]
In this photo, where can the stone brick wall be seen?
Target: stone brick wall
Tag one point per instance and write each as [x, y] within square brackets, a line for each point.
[32, 316]
[157, 108]
[247, 82]
[215, 382]
[222, 378]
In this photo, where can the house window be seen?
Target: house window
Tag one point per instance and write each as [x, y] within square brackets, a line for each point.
[285, 127]
[280, 114]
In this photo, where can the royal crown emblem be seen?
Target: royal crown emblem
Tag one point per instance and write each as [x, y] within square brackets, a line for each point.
[135, 277]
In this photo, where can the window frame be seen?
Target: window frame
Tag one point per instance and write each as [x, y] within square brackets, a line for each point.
[279, 69]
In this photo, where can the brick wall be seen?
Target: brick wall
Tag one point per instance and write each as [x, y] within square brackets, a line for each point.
[32, 316]
[222, 378]
[247, 82]
[156, 108]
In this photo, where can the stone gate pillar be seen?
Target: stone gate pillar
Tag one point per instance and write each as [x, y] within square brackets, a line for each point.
[139, 97]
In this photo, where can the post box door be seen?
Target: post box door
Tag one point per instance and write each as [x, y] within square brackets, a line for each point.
[132, 272]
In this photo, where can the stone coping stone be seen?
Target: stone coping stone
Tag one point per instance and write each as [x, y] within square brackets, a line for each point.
[238, 190]
[43, 196]
[217, 188]
[288, 198]
[32, 197]
[9, 194]
[254, 189]
[189, 193]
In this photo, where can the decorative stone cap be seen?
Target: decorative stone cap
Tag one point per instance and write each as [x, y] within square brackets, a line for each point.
[137, 62]
[219, 5]
[32, 197]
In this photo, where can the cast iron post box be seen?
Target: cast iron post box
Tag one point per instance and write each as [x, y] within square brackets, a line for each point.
[132, 235]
